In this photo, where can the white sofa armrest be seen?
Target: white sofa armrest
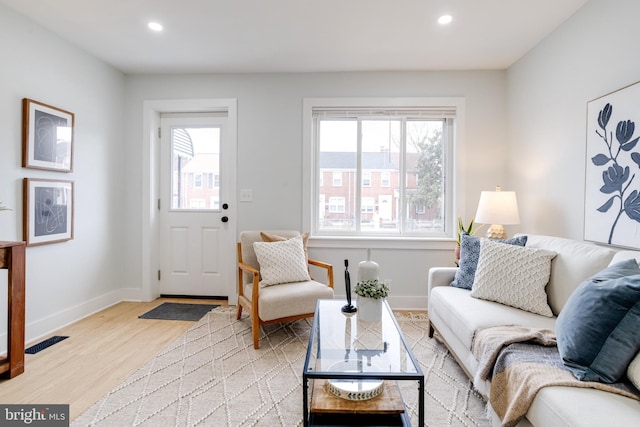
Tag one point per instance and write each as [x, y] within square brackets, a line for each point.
[441, 276]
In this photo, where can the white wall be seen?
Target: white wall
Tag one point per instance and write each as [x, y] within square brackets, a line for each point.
[64, 281]
[595, 52]
[270, 153]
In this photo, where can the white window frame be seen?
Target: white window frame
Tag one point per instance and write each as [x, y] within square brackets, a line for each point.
[454, 186]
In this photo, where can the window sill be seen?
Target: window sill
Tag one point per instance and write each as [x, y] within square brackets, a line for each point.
[376, 242]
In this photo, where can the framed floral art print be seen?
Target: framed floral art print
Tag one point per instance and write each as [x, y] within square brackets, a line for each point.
[612, 184]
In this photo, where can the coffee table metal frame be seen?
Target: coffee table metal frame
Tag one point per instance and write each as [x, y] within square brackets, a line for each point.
[313, 364]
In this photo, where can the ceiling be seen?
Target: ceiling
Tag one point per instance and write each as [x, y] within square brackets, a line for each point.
[218, 36]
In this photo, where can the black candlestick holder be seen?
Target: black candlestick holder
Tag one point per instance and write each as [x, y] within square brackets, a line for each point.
[349, 308]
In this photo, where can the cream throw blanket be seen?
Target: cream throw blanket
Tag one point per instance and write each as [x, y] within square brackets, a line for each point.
[519, 361]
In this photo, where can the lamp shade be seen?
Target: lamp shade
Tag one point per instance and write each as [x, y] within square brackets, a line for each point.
[498, 207]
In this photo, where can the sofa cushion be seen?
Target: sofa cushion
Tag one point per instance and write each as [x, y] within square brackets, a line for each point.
[281, 262]
[469, 254]
[575, 262]
[625, 254]
[597, 330]
[514, 276]
[465, 314]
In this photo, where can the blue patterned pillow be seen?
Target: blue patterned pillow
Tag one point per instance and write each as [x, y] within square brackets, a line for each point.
[469, 255]
[597, 329]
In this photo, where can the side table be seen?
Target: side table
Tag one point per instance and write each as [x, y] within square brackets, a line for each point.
[12, 258]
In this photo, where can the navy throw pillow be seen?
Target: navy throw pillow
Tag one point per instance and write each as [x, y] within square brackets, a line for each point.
[469, 255]
[597, 329]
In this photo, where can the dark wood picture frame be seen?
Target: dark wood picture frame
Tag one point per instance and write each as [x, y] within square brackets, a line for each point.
[47, 137]
[48, 206]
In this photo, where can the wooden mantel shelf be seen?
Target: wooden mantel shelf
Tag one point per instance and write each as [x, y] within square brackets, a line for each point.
[12, 258]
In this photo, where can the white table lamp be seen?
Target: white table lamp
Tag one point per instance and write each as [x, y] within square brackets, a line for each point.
[497, 208]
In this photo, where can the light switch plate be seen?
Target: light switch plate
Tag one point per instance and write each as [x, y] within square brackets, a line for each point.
[246, 195]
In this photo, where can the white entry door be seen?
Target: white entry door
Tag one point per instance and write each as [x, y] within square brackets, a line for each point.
[197, 252]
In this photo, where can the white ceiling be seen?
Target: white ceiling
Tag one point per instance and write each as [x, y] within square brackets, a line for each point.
[205, 36]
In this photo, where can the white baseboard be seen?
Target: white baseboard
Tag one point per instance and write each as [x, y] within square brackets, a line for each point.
[40, 328]
[401, 302]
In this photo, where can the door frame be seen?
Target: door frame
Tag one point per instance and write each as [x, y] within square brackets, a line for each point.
[150, 235]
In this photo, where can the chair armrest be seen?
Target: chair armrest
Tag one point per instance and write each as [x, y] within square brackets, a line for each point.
[326, 266]
[441, 276]
[256, 279]
[247, 268]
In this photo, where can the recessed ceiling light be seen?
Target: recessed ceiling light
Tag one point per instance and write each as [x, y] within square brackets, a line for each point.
[445, 19]
[155, 26]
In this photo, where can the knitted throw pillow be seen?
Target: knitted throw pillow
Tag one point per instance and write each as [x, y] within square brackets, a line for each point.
[469, 254]
[281, 262]
[514, 276]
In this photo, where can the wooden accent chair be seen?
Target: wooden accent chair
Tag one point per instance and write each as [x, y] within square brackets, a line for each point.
[276, 303]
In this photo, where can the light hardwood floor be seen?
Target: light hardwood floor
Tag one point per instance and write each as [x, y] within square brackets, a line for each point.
[102, 350]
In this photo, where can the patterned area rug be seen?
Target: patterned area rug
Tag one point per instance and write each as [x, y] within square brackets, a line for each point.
[212, 376]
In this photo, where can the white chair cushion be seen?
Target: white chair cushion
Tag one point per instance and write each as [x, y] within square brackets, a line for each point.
[289, 299]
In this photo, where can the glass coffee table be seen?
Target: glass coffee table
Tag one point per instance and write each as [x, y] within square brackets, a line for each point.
[352, 369]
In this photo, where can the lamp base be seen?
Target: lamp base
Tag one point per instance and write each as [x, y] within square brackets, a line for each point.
[496, 231]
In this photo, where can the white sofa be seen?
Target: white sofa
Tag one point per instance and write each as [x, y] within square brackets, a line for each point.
[455, 316]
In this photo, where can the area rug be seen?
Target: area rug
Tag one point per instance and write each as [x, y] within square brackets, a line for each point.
[179, 311]
[212, 376]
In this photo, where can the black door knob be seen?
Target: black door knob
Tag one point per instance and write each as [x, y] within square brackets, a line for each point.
[225, 206]
[225, 219]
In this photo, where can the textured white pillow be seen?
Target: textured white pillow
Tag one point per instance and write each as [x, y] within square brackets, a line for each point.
[281, 262]
[513, 275]
[633, 371]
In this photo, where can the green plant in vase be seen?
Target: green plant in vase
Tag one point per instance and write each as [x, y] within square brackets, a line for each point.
[372, 289]
[370, 295]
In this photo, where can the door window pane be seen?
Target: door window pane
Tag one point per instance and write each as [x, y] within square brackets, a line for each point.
[195, 161]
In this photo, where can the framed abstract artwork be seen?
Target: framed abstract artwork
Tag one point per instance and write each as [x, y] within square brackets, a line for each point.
[612, 184]
[47, 137]
[48, 211]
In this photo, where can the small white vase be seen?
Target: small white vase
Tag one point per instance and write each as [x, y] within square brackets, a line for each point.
[369, 309]
[368, 270]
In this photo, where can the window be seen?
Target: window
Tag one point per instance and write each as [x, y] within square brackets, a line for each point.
[336, 204]
[366, 179]
[385, 179]
[337, 179]
[392, 166]
[197, 204]
[197, 180]
[367, 205]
